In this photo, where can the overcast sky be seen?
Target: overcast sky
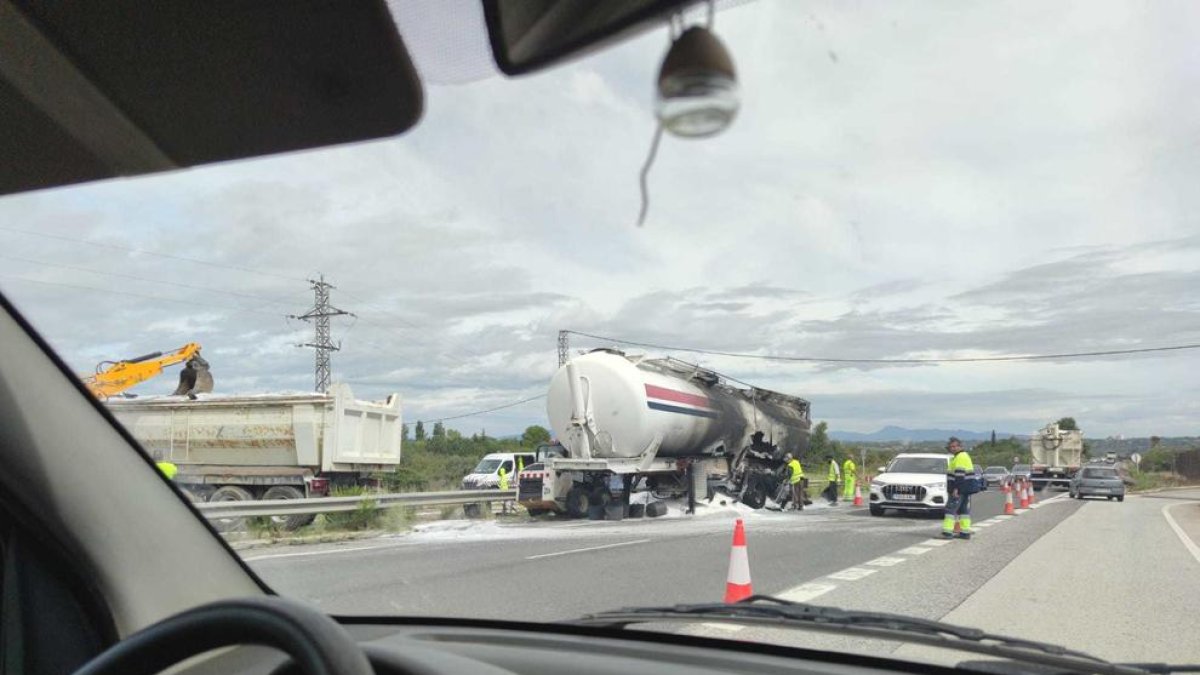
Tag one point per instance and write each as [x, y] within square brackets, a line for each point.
[903, 180]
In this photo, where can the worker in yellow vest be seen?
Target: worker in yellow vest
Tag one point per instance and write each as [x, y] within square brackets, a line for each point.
[849, 478]
[168, 469]
[961, 484]
[834, 475]
[796, 478]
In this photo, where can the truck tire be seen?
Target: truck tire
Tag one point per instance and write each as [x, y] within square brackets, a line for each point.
[656, 509]
[288, 523]
[615, 510]
[577, 502]
[637, 510]
[230, 493]
[595, 512]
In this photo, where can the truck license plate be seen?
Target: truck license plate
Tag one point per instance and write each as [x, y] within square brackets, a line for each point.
[906, 498]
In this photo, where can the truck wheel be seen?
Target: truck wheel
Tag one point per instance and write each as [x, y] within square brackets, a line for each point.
[876, 510]
[288, 523]
[230, 493]
[637, 510]
[615, 510]
[656, 510]
[755, 496]
[577, 502]
[1121, 498]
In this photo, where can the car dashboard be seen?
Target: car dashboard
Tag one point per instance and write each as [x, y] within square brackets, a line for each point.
[474, 647]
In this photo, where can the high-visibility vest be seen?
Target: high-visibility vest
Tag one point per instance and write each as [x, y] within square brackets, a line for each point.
[959, 467]
[503, 479]
[849, 470]
[797, 471]
[169, 470]
[833, 470]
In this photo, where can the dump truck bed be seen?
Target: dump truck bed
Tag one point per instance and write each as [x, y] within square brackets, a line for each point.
[324, 432]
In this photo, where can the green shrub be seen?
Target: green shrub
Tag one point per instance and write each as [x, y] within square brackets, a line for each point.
[367, 514]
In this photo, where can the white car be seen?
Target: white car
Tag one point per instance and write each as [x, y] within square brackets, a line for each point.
[912, 482]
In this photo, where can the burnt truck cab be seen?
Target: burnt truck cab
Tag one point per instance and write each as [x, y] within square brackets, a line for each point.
[531, 479]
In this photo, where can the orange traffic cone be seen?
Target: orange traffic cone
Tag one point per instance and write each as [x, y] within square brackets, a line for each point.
[737, 584]
[857, 495]
[1024, 494]
[1032, 494]
[1008, 505]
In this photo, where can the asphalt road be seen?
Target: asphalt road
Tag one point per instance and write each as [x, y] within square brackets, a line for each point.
[546, 571]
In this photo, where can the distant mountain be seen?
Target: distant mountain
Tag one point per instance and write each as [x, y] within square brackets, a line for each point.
[892, 433]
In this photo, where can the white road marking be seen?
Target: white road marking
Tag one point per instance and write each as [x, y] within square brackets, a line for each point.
[913, 550]
[886, 561]
[935, 542]
[852, 574]
[584, 550]
[985, 523]
[1187, 541]
[1002, 517]
[806, 592]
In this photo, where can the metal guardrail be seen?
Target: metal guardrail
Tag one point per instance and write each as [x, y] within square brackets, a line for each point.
[300, 507]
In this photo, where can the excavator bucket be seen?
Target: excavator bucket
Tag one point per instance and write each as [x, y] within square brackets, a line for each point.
[195, 378]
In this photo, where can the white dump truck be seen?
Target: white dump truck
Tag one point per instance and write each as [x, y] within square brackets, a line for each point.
[1057, 455]
[268, 446]
[672, 428]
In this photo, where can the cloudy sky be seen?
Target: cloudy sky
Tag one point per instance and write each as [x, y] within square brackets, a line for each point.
[903, 180]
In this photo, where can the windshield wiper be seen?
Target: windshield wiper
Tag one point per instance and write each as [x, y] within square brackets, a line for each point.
[764, 610]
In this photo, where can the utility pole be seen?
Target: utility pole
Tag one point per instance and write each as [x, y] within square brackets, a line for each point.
[319, 315]
[564, 347]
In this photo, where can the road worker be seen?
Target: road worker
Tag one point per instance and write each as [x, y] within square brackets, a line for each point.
[834, 476]
[503, 486]
[168, 469]
[796, 479]
[960, 484]
[849, 478]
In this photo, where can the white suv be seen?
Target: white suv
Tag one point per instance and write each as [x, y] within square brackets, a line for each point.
[912, 482]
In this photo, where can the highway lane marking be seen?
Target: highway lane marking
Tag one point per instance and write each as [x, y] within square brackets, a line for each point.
[852, 574]
[1002, 517]
[935, 542]
[983, 524]
[585, 550]
[1187, 541]
[914, 550]
[806, 592]
[886, 561]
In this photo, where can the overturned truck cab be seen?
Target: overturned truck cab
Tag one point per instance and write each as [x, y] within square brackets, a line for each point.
[664, 428]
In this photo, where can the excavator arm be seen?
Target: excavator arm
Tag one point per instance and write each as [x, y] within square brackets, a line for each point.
[114, 377]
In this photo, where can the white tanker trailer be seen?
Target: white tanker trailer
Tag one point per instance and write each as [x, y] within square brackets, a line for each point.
[672, 427]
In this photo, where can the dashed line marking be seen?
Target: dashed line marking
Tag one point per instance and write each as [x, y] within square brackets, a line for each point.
[1002, 517]
[983, 524]
[806, 592]
[914, 550]
[886, 561]
[852, 574]
[935, 542]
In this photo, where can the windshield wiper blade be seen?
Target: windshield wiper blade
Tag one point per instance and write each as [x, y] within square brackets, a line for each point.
[764, 610]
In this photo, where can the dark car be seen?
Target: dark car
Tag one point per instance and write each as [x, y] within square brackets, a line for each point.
[996, 475]
[1097, 481]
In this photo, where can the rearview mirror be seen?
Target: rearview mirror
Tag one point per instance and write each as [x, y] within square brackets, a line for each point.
[528, 35]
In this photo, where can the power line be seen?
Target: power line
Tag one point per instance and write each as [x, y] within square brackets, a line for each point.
[815, 359]
[158, 298]
[488, 410]
[141, 251]
[144, 279]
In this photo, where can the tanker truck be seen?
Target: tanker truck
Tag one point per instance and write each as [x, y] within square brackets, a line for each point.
[673, 428]
[266, 446]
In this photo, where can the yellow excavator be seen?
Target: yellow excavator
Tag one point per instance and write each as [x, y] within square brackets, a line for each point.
[116, 377]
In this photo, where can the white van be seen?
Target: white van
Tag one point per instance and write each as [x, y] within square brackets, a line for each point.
[486, 474]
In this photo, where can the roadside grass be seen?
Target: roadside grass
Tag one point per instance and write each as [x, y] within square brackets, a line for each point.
[1157, 480]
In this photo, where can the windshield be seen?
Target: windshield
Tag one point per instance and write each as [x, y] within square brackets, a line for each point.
[935, 465]
[487, 466]
[927, 224]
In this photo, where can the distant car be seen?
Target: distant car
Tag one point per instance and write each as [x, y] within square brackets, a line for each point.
[996, 475]
[1097, 481]
[1021, 472]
